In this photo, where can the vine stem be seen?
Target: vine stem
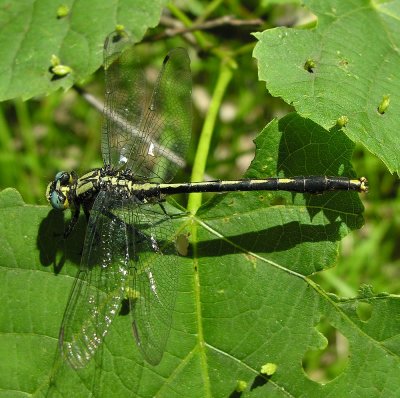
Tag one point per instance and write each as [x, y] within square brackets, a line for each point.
[199, 166]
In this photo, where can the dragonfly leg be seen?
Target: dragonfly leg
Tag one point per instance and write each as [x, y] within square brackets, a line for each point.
[163, 208]
[179, 215]
[72, 223]
[87, 212]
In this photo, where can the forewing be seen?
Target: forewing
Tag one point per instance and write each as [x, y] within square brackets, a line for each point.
[100, 285]
[166, 125]
[154, 279]
[125, 100]
[148, 134]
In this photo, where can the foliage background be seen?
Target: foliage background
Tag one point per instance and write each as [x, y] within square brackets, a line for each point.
[59, 130]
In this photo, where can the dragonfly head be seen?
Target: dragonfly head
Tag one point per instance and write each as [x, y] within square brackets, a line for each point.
[58, 191]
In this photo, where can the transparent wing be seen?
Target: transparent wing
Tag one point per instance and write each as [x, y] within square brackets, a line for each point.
[125, 99]
[149, 135]
[154, 280]
[99, 287]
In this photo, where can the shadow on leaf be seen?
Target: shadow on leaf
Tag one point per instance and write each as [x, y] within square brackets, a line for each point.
[54, 249]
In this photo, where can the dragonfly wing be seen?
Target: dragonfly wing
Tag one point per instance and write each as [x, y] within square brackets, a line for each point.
[148, 134]
[167, 121]
[99, 287]
[125, 99]
[154, 279]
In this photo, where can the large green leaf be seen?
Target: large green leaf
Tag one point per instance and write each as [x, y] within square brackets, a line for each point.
[346, 66]
[31, 32]
[244, 300]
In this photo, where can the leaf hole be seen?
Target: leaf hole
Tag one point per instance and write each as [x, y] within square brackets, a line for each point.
[325, 364]
[364, 311]
[125, 309]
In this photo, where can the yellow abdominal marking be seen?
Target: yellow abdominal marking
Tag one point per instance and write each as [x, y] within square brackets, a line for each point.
[228, 182]
[140, 187]
[285, 180]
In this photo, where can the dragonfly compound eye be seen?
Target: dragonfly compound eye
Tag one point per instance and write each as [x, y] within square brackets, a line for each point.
[58, 200]
[56, 194]
[63, 177]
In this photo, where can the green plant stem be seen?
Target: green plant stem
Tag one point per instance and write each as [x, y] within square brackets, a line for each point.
[247, 48]
[5, 134]
[25, 127]
[210, 8]
[224, 77]
[8, 159]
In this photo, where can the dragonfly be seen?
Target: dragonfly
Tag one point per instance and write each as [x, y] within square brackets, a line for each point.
[130, 250]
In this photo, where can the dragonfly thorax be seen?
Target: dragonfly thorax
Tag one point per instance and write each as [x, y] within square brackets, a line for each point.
[69, 191]
[123, 183]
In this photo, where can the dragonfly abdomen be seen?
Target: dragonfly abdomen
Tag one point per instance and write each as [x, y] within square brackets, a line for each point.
[311, 184]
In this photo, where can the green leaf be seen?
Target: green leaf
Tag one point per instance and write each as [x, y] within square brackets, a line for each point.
[244, 299]
[354, 50]
[32, 31]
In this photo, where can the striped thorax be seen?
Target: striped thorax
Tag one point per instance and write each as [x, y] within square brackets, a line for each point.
[69, 191]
